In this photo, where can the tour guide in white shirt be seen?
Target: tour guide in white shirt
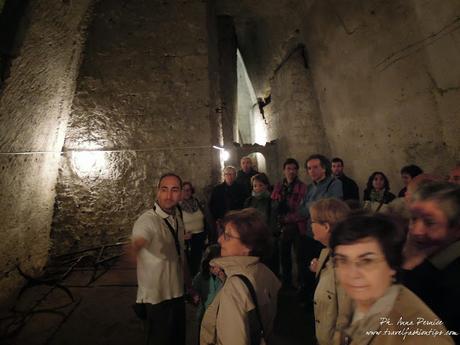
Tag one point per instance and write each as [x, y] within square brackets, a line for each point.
[158, 243]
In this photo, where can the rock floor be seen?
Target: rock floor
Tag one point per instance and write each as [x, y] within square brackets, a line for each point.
[92, 305]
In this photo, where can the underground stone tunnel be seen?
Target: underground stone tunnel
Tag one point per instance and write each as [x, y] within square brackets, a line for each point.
[99, 98]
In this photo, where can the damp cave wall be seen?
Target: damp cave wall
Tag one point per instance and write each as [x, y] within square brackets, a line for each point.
[392, 96]
[102, 98]
[143, 106]
[373, 82]
[35, 104]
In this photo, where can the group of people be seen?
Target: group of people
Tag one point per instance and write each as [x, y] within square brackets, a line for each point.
[231, 282]
[381, 272]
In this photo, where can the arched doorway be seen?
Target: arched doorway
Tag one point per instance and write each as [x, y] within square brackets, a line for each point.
[259, 161]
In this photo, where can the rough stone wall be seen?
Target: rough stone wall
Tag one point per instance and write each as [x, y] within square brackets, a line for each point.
[142, 107]
[440, 26]
[384, 73]
[34, 108]
[245, 106]
[269, 37]
[226, 39]
[266, 33]
[295, 112]
[387, 77]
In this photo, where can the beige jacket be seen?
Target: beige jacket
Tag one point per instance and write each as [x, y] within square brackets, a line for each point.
[399, 317]
[329, 299]
[225, 322]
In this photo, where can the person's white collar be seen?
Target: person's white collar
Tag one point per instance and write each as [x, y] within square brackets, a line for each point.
[160, 212]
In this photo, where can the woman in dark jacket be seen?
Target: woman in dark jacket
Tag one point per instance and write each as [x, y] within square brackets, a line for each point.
[262, 202]
[260, 197]
[377, 193]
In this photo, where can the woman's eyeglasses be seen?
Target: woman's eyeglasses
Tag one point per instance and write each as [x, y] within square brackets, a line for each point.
[363, 264]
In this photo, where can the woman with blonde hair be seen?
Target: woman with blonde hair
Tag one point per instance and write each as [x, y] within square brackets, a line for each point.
[328, 298]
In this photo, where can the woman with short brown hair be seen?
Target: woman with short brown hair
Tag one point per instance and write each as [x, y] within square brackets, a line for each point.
[367, 252]
[232, 319]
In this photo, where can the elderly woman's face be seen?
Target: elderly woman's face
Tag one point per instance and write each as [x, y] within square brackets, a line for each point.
[429, 224]
[230, 243]
[363, 271]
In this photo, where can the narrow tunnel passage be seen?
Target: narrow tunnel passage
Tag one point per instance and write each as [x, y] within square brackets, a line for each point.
[99, 98]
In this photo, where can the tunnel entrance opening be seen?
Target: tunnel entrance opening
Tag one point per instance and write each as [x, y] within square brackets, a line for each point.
[259, 161]
[252, 128]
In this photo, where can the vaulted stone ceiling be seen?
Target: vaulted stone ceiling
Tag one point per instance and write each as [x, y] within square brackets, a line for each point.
[267, 32]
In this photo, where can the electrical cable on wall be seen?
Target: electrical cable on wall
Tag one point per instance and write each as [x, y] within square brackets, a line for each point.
[109, 150]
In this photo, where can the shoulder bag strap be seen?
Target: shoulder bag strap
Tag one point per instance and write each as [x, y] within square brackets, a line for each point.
[254, 300]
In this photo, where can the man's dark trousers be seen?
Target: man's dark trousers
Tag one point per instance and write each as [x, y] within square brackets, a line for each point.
[165, 324]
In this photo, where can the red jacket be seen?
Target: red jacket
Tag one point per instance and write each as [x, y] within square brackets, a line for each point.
[299, 189]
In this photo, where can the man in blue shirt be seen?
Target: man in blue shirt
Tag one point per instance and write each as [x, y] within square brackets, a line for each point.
[324, 185]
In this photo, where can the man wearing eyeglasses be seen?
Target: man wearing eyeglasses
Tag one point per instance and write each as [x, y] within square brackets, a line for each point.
[324, 185]
[158, 243]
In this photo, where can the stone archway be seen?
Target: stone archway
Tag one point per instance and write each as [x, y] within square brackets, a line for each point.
[268, 153]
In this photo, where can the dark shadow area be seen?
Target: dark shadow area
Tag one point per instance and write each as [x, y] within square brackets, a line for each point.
[295, 320]
[87, 298]
[11, 32]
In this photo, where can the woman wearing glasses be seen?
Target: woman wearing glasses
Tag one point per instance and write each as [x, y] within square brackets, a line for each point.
[367, 252]
[231, 319]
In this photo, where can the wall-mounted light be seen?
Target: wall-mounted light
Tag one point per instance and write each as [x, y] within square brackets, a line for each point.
[91, 164]
[224, 154]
